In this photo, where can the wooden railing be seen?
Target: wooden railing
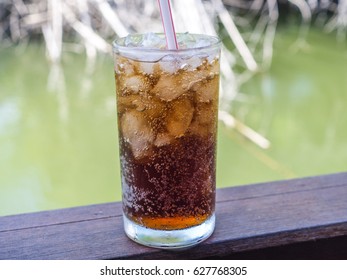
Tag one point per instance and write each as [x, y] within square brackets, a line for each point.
[294, 219]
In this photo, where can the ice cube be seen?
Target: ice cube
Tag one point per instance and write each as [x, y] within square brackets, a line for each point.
[135, 84]
[133, 40]
[125, 66]
[196, 128]
[126, 102]
[169, 67]
[185, 40]
[205, 113]
[170, 64]
[163, 139]
[152, 40]
[168, 88]
[205, 119]
[154, 108]
[191, 41]
[193, 62]
[139, 104]
[207, 90]
[214, 66]
[179, 117]
[143, 43]
[137, 132]
[189, 79]
[147, 67]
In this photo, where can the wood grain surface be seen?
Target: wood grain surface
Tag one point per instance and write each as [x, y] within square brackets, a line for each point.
[291, 217]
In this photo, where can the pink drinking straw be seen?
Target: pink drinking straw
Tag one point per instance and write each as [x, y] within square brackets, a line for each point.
[169, 29]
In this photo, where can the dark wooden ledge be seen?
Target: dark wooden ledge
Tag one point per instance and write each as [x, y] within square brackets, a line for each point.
[293, 219]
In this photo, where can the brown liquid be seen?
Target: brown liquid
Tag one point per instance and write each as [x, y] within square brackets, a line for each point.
[171, 223]
[167, 124]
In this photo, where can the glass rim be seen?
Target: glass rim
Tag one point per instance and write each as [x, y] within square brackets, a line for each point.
[118, 47]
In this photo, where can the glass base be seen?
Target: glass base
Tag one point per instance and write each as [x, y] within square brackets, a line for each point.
[169, 239]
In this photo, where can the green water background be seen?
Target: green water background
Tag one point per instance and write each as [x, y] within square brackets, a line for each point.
[59, 148]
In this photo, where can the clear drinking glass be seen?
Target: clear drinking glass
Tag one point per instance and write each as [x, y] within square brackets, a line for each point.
[167, 106]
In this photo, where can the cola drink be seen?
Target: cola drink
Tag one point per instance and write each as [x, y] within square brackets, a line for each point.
[167, 109]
